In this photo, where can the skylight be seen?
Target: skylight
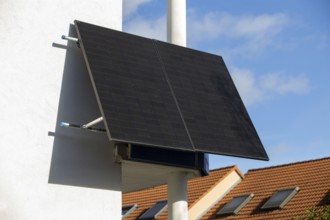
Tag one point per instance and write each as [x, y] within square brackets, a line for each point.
[154, 211]
[280, 198]
[126, 210]
[235, 205]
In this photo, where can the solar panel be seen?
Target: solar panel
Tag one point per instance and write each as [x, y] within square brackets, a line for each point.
[158, 94]
[154, 211]
[126, 210]
[133, 93]
[235, 205]
[211, 106]
[280, 198]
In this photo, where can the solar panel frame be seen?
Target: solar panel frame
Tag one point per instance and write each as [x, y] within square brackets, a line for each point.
[285, 196]
[162, 95]
[212, 109]
[128, 210]
[134, 97]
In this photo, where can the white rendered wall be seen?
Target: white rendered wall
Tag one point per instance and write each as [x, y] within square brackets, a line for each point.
[47, 172]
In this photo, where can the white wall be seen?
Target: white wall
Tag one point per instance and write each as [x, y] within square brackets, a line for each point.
[47, 172]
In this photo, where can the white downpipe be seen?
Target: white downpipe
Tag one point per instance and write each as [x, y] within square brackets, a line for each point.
[177, 196]
[176, 22]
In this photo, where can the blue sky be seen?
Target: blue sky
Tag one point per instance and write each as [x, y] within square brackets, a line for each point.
[278, 53]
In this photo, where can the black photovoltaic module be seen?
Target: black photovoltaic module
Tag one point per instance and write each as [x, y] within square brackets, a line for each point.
[158, 94]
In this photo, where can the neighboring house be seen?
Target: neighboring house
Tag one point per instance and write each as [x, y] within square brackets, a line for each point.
[212, 187]
[279, 192]
[312, 178]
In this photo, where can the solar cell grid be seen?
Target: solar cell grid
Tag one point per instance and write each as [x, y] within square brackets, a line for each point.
[134, 95]
[158, 94]
[211, 106]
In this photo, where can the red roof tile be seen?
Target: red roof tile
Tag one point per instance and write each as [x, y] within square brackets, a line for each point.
[312, 177]
[196, 188]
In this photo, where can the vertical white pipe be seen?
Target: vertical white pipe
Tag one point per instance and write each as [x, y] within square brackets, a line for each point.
[177, 196]
[176, 22]
[177, 181]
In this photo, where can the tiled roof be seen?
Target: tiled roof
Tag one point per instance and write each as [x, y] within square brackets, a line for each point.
[196, 188]
[312, 177]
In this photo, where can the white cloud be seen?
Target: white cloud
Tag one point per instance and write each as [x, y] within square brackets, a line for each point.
[255, 89]
[251, 33]
[215, 24]
[131, 6]
[281, 83]
[155, 29]
[258, 26]
[248, 35]
[247, 86]
[207, 27]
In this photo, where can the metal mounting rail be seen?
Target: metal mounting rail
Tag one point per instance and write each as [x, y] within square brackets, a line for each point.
[73, 39]
[87, 126]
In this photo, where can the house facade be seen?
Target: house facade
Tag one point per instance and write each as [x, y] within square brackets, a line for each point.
[278, 192]
[47, 172]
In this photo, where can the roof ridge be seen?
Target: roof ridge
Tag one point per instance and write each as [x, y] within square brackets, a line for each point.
[289, 164]
[232, 169]
[222, 168]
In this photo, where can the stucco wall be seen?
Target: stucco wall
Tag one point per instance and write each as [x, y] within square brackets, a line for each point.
[47, 172]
